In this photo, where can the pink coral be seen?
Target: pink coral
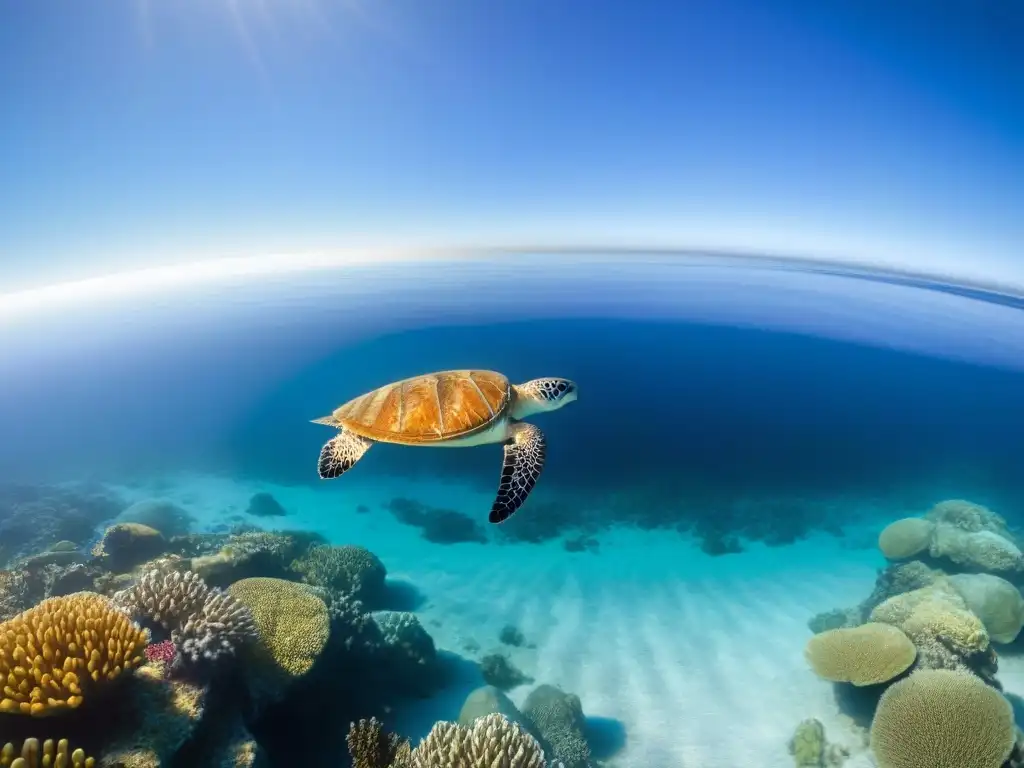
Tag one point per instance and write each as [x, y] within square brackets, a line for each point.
[163, 651]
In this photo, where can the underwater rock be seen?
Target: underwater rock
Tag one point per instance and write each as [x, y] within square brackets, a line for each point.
[440, 526]
[558, 717]
[810, 748]
[126, 545]
[28, 527]
[837, 618]
[164, 714]
[581, 543]
[995, 601]
[263, 504]
[983, 551]
[498, 671]
[14, 594]
[161, 514]
[510, 635]
[347, 570]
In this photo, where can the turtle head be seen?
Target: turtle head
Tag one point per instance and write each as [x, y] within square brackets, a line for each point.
[539, 395]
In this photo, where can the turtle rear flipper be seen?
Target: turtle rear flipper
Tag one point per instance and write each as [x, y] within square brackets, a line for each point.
[524, 461]
[340, 454]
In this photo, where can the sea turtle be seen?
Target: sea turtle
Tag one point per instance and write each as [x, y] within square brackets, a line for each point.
[451, 409]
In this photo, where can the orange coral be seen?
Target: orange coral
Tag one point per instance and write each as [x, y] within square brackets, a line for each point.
[51, 654]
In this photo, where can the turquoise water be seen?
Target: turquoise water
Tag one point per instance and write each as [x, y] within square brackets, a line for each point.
[745, 429]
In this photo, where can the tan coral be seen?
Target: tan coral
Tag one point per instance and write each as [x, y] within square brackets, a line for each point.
[52, 654]
[370, 746]
[493, 741]
[905, 538]
[50, 753]
[938, 718]
[866, 655]
[292, 622]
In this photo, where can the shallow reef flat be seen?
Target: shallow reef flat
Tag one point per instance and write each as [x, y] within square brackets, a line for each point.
[638, 648]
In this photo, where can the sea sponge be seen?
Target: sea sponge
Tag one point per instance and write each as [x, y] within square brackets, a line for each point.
[905, 538]
[493, 740]
[292, 622]
[52, 654]
[866, 655]
[938, 718]
[995, 601]
[49, 753]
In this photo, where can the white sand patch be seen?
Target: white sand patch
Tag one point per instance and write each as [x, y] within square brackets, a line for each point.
[699, 658]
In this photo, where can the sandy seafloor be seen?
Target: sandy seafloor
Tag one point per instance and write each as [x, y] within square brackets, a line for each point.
[681, 659]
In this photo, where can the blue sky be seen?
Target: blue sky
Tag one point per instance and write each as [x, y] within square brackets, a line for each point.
[139, 133]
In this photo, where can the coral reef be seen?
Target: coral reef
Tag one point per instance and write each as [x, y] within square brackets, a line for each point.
[371, 747]
[205, 624]
[995, 601]
[492, 740]
[125, 545]
[865, 655]
[810, 748]
[558, 717]
[293, 626]
[942, 719]
[983, 551]
[35, 755]
[346, 570]
[54, 654]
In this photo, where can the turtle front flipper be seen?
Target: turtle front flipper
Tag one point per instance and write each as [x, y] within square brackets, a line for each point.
[340, 454]
[524, 460]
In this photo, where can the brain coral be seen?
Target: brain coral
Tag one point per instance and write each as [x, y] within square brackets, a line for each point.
[939, 718]
[492, 740]
[905, 538]
[865, 655]
[50, 753]
[292, 622]
[51, 654]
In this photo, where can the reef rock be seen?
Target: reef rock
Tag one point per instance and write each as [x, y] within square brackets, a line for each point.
[983, 551]
[995, 601]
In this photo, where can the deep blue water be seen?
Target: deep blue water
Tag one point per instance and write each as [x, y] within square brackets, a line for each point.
[708, 381]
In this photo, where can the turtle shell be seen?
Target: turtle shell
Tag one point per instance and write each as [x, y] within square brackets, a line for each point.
[428, 409]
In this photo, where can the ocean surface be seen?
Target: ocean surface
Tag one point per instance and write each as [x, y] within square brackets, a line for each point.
[744, 430]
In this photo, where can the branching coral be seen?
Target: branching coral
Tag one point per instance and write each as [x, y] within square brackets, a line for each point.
[50, 753]
[52, 654]
[205, 624]
[493, 741]
[371, 747]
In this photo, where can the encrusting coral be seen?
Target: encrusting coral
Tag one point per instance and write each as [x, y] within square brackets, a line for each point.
[866, 655]
[205, 624]
[52, 654]
[938, 718]
[49, 754]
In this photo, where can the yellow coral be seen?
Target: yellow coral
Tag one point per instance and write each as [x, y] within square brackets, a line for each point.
[51, 754]
[293, 623]
[865, 655]
[51, 654]
[940, 718]
[905, 538]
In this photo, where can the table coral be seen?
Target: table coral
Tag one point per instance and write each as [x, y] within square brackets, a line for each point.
[52, 654]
